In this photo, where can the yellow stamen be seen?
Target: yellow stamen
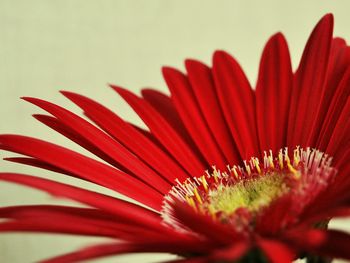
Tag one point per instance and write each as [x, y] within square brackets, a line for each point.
[198, 197]
[272, 165]
[215, 175]
[296, 158]
[256, 164]
[204, 183]
[280, 159]
[191, 202]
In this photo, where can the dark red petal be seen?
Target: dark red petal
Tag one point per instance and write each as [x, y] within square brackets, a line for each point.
[202, 84]
[230, 253]
[120, 209]
[188, 109]
[94, 252]
[58, 126]
[25, 210]
[105, 143]
[163, 132]
[129, 137]
[101, 250]
[84, 167]
[334, 111]
[238, 103]
[190, 260]
[339, 62]
[79, 221]
[38, 163]
[204, 225]
[276, 251]
[164, 105]
[309, 83]
[325, 214]
[340, 134]
[273, 94]
[331, 243]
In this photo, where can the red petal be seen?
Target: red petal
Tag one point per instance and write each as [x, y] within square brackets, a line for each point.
[163, 132]
[340, 134]
[83, 167]
[275, 216]
[338, 63]
[105, 143]
[238, 103]
[273, 94]
[202, 84]
[309, 83]
[231, 253]
[58, 126]
[188, 109]
[190, 260]
[38, 163]
[94, 252]
[122, 248]
[276, 251]
[330, 243]
[121, 209]
[129, 137]
[79, 221]
[204, 225]
[164, 105]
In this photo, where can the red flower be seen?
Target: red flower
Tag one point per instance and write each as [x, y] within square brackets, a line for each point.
[201, 199]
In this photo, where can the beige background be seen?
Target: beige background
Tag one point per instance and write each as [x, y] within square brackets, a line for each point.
[82, 45]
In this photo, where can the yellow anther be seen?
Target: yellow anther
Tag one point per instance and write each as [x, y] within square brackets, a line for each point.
[204, 183]
[247, 168]
[296, 158]
[215, 175]
[295, 172]
[272, 165]
[280, 159]
[190, 201]
[256, 163]
[235, 171]
[196, 194]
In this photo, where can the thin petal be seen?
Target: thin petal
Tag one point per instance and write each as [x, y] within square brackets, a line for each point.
[83, 167]
[58, 126]
[105, 143]
[238, 103]
[276, 251]
[122, 248]
[202, 84]
[164, 105]
[339, 62]
[204, 225]
[331, 243]
[231, 253]
[80, 221]
[163, 132]
[188, 109]
[129, 137]
[309, 83]
[121, 209]
[273, 94]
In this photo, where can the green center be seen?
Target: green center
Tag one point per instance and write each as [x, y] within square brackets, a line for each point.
[251, 194]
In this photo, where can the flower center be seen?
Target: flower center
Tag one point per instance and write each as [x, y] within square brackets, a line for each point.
[244, 191]
[250, 194]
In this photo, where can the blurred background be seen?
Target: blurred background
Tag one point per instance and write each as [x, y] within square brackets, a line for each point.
[82, 45]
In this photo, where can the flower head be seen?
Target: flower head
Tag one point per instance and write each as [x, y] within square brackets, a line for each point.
[225, 172]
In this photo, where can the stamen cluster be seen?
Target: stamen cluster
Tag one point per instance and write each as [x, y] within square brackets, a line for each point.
[246, 190]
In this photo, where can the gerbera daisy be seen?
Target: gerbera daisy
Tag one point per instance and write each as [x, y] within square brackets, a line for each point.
[225, 172]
